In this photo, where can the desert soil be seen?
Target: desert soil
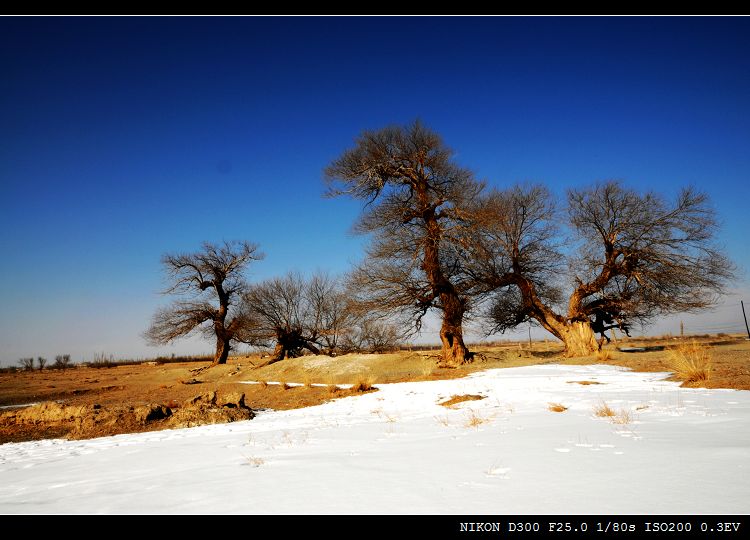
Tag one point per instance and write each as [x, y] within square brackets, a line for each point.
[127, 389]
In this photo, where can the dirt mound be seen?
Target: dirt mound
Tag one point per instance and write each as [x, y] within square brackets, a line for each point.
[87, 421]
[209, 409]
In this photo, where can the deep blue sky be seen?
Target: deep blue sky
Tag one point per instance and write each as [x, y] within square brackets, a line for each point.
[124, 138]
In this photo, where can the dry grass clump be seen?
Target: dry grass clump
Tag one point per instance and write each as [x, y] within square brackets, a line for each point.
[362, 385]
[456, 399]
[442, 420]
[584, 383]
[284, 385]
[623, 416]
[333, 389]
[604, 355]
[474, 420]
[557, 407]
[691, 362]
[603, 410]
[254, 461]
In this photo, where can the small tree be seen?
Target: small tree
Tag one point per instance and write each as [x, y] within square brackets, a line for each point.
[415, 207]
[27, 363]
[633, 257]
[211, 282]
[295, 314]
[331, 309]
[62, 361]
[372, 336]
[41, 362]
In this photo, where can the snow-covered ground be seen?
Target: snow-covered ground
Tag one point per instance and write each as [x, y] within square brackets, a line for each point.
[394, 451]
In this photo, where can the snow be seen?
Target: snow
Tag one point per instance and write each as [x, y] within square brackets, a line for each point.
[21, 406]
[684, 451]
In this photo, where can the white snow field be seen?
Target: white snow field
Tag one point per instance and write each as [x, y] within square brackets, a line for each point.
[395, 451]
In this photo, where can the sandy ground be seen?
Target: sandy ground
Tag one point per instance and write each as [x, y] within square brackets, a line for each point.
[166, 384]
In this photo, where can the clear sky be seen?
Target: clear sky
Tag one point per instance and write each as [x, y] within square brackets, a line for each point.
[125, 138]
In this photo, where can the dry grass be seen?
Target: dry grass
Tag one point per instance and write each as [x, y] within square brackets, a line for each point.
[254, 461]
[362, 385]
[623, 417]
[307, 381]
[442, 420]
[263, 384]
[603, 410]
[691, 362]
[333, 389]
[584, 383]
[456, 399]
[284, 385]
[389, 418]
[557, 407]
[604, 355]
[474, 420]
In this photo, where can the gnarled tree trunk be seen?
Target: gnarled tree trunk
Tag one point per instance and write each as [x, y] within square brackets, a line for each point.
[279, 353]
[454, 350]
[579, 339]
[289, 344]
[222, 351]
[578, 336]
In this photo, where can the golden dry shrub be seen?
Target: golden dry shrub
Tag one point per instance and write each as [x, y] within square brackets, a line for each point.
[603, 410]
[691, 362]
[362, 385]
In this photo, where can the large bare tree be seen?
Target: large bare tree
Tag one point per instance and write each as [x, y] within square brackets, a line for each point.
[296, 314]
[211, 283]
[414, 197]
[628, 257]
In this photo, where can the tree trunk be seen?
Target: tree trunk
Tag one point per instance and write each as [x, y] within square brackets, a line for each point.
[289, 344]
[222, 352]
[279, 352]
[454, 350]
[579, 339]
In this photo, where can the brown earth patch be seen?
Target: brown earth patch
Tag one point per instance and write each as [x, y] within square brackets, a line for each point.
[87, 421]
[454, 400]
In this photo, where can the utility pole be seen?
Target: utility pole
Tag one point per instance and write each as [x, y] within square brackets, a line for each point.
[745, 317]
[530, 334]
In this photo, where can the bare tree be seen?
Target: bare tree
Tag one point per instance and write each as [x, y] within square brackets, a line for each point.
[41, 362]
[371, 336]
[632, 257]
[27, 363]
[296, 314]
[212, 282]
[331, 311]
[415, 196]
[62, 361]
